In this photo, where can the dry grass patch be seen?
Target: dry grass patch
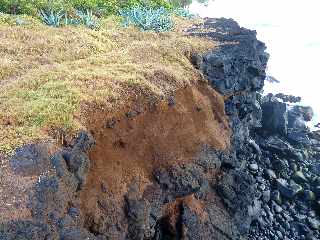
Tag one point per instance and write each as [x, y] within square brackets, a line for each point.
[46, 73]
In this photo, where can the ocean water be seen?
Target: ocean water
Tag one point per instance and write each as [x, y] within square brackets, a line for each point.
[291, 31]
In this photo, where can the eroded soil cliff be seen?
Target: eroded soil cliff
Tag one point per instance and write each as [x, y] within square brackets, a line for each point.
[213, 159]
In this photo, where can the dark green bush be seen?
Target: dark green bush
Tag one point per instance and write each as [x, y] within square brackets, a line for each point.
[98, 7]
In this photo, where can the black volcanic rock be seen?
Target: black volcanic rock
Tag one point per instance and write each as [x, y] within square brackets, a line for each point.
[30, 159]
[236, 65]
[274, 117]
[288, 98]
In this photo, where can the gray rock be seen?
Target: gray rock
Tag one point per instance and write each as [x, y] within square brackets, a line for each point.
[277, 208]
[180, 181]
[253, 167]
[299, 137]
[314, 223]
[317, 191]
[275, 196]
[30, 159]
[299, 177]
[288, 98]
[255, 146]
[76, 234]
[270, 174]
[274, 117]
[309, 195]
[306, 112]
[26, 230]
[138, 211]
[232, 67]
[288, 190]
[266, 195]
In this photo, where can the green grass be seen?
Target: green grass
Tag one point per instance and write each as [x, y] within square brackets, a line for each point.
[99, 7]
[50, 76]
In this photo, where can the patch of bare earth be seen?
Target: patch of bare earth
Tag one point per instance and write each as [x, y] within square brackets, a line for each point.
[146, 137]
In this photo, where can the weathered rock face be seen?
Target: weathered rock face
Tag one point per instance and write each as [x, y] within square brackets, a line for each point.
[238, 64]
[271, 177]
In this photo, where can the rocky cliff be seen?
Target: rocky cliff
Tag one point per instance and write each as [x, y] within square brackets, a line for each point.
[214, 160]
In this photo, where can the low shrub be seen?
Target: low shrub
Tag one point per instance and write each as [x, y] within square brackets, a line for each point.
[59, 18]
[52, 18]
[148, 19]
[183, 12]
[87, 18]
[98, 7]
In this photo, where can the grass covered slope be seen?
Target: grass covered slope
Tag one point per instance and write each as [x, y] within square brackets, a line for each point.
[48, 74]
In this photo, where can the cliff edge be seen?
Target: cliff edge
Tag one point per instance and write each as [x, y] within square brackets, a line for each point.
[200, 154]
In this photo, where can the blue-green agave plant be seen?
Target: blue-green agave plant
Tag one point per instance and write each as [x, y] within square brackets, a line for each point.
[148, 19]
[183, 12]
[52, 18]
[88, 19]
[71, 21]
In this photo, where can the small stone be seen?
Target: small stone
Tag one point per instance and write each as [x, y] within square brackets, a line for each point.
[262, 187]
[289, 191]
[314, 223]
[309, 195]
[299, 177]
[312, 213]
[253, 167]
[276, 197]
[294, 167]
[300, 217]
[277, 208]
[270, 174]
[279, 234]
[286, 225]
[266, 196]
[317, 191]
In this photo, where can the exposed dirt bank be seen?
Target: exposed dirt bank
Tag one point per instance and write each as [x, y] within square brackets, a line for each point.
[131, 145]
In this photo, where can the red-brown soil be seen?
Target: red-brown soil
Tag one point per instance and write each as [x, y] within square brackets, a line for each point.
[151, 136]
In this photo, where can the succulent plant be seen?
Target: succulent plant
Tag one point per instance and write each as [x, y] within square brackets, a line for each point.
[183, 12]
[148, 19]
[88, 19]
[52, 18]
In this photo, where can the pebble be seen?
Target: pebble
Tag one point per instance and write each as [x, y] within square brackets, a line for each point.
[289, 191]
[277, 208]
[276, 197]
[309, 195]
[299, 177]
[270, 174]
[294, 167]
[254, 167]
[314, 223]
[266, 196]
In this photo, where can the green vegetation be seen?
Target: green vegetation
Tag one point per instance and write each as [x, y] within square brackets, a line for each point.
[58, 19]
[52, 18]
[98, 7]
[147, 15]
[185, 3]
[182, 12]
[148, 19]
[51, 77]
